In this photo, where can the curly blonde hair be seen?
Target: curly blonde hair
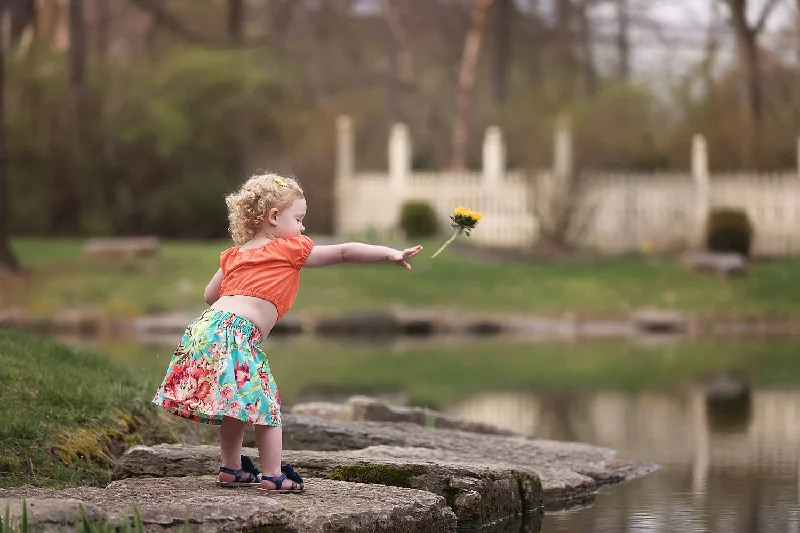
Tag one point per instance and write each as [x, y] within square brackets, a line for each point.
[248, 206]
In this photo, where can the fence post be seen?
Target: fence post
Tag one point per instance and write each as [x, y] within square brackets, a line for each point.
[399, 156]
[701, 184]
[345, 168]
[345, 156]
[562, 150]
[399, 170]
[494, 157]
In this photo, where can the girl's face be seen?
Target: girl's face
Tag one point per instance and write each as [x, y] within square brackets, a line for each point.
[285, 223]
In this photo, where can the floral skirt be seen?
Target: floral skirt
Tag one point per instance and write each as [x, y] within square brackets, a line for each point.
[219, 370]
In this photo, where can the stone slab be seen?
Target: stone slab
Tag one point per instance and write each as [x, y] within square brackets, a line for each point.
[570, 473]
[166, 504]
[477, 493]
[568, 470]
[367, 409]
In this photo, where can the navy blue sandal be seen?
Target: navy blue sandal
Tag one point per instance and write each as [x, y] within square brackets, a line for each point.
[292, 475]
[252, 480]
[279, 488]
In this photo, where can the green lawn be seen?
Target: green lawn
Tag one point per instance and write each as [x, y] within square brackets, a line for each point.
[60, 278]
[61, 410]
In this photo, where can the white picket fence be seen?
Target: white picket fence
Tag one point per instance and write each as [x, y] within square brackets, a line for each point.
[371, 206]
[617, 212]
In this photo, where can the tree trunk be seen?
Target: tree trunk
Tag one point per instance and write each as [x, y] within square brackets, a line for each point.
[623, 41]
[236, 20]
[502, 50]
[747, 53]
[22, 15]
[587, 56]
[566, 64]
[7, 259]
[239, 136]
[466, 82]
[77, 46]
[103, 8]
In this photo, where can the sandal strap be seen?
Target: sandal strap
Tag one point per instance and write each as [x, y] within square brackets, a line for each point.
[278, 480]
[237, 474]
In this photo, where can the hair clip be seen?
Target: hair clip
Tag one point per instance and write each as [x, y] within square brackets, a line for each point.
[280, 182]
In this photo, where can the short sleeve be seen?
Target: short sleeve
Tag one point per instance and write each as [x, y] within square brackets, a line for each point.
[225, 255]
[297, 249]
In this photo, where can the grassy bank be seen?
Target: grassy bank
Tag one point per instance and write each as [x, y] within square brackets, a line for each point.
[60, 278]
[64, 412]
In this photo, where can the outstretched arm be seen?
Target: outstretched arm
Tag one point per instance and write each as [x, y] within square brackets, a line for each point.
[356, 252]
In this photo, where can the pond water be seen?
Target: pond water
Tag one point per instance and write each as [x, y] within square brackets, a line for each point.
[729, 467]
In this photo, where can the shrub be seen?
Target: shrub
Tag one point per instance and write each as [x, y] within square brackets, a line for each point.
[418, 219]
[729, 230]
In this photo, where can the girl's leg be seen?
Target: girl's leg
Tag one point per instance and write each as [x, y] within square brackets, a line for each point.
[230, 443]
[270, 447]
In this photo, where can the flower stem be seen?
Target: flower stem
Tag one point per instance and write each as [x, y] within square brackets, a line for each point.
[446, 244]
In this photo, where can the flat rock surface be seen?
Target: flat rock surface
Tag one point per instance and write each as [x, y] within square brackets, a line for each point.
[477, 493]
[366, 409]
[557, 463]
[569, 472]
[166, 504]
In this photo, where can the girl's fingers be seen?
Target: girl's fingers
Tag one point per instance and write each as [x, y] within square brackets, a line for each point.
[411, 252]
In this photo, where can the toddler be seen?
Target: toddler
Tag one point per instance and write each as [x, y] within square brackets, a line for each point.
[219, 374]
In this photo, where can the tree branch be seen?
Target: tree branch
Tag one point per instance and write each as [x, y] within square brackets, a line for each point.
[762, 20]
[168, 20]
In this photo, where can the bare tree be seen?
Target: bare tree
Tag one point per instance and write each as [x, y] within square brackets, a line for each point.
[559, 197]
[236, 20]
[163, 17]
[466, 82]
[22, 18]
[623, 40]
[77, 47]
[747, 51]
[502, 50]
[590, 77]
[563, 44]
[7, 259]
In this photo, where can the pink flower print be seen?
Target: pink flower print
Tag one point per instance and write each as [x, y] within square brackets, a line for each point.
[252, 411]
[273, 409]
[226, 393]
[242, 374]
[233, 409]
[213, 350]
[238, 336]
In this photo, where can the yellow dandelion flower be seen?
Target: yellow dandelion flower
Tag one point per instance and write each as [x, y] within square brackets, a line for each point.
[464, 221]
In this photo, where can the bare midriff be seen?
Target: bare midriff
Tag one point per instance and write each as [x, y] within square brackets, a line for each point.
[260, 312]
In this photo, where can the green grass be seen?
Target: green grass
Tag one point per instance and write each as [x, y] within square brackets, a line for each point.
[437, 374]
[62, 410]
[21, 524]
[60, 278]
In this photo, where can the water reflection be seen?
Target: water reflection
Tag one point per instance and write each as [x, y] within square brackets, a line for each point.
[728, 465]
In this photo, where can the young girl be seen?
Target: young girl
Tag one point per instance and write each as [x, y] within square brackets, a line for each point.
[219, 375]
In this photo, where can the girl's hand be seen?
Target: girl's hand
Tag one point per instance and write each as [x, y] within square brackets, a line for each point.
[401, 256]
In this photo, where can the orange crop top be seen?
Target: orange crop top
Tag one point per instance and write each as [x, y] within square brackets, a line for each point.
[270, 272]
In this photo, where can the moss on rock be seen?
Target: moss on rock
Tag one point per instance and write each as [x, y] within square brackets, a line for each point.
[374, 474]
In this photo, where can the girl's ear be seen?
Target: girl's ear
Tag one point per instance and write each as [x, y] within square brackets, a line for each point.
[272, 216]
